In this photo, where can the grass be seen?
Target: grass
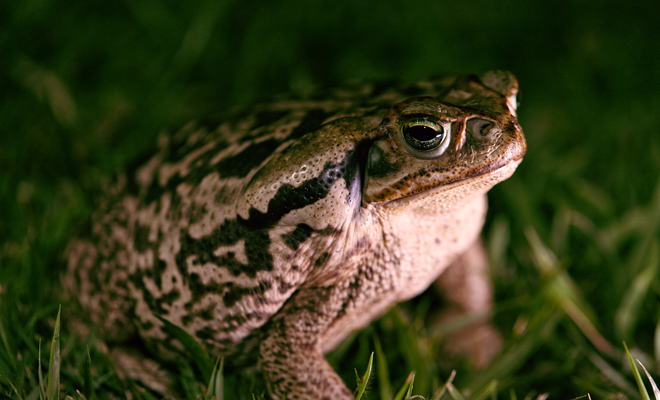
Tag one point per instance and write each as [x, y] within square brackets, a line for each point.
[215, 387]
[573, 237]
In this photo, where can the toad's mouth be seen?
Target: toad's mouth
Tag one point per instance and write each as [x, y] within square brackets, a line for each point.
[476, 184]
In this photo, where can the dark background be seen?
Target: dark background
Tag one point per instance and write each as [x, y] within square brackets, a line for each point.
[85, 86]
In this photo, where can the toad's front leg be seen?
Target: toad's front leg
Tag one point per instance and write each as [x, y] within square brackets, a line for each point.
[291, 357]
[466, 284]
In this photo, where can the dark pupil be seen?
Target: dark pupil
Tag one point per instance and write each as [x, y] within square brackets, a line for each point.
[421, 132]
[422, 137]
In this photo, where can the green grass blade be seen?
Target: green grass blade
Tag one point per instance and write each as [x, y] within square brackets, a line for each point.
[564, 291]
[656, 392]
[656, 341]
[189, 382]
[219, 381]
[509, 362]
[33, 393]
[383, 372]
[365, 378]
[611, 374]
[8, 351]
[630, 309]
[512, 394]
[199, 355]
[42, 386]
[454, 393]
[638, 378]
[488, 390]
[216, 384]
[88, 387]
[211, 385]
[141, 393]
[410, 388]
[53, 391]
[442, 389]
[402, 391]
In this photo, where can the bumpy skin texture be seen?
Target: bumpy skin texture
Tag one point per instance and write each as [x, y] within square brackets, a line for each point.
[273, 234]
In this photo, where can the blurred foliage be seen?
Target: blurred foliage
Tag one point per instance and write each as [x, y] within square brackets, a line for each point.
[85, 86]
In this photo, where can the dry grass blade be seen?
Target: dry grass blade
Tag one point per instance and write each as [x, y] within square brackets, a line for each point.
[656, 392]
[656, 341]
[18, 396]
[48, 86]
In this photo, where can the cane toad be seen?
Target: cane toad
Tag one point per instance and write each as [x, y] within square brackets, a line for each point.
[273, 233]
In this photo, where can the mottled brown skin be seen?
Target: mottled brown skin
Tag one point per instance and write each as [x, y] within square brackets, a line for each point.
[274, 234]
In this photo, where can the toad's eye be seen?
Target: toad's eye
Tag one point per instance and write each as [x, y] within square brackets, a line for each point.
[423, 134]
[425, 137]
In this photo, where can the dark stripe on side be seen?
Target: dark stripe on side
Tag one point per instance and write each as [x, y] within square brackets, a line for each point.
[254, 230]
